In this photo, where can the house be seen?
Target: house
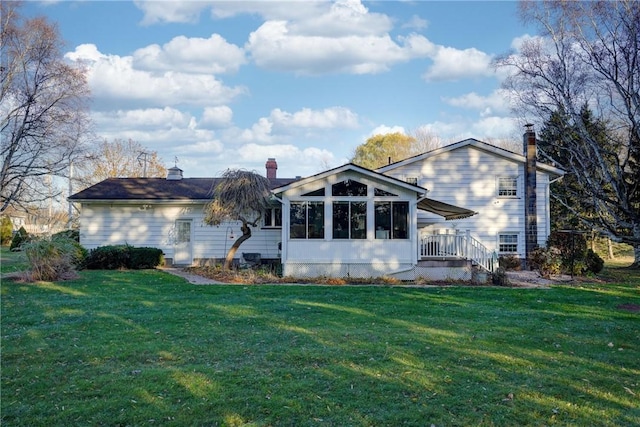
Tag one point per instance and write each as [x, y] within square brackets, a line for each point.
[447, 213]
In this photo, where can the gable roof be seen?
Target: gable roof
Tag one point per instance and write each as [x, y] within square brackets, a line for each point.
[351, 167]
[156, 189]
[430, 205]
[471, 142]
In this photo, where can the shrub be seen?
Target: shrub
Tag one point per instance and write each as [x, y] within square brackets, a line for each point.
[509, 262]
[500, 278]
[71, 234]
[594, 263]
[123, 256]
[546, 261]
[53, 259]
[18, 239]
[6, 231]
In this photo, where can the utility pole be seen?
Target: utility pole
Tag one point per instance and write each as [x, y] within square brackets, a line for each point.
[143, 159]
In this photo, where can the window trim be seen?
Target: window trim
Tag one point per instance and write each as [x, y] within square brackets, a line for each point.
[307, 204]
[514, 188]
[516, 243]
[274, 221]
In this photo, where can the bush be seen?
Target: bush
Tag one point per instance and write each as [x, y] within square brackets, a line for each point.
[6, 231]
[123, 257]
[70, 234]
[53, 259]
[19, 238]
[594, 263]
[546, 261]
[509, 262]
[500, 278]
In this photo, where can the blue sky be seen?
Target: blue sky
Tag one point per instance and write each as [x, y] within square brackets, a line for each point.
[228, 84]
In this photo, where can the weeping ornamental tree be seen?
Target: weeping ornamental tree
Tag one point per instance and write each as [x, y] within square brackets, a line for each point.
[241, 196]
[582, 76]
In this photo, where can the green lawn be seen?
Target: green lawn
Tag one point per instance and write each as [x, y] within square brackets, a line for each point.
[146, 348]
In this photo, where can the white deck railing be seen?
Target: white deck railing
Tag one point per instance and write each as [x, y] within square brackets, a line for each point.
[458, 245]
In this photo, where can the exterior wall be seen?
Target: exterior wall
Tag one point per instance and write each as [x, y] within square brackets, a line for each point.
[154, 226]
[468, 177]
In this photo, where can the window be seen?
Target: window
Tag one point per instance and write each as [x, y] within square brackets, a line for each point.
[392, 220]
[349, 188]
[382, 193]
[306, 220]
[350, 220]
[507, 186]
[273, 217]
[411, 180]
[319, 192]
[508, 243]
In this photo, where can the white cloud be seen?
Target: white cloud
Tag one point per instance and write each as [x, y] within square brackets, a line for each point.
[455, 64]
[144, 118]
[496, 103]
[192, 55]
[329, 118]
[171, 11]
[273, 46]
[416, 23]
[115, 77]
[220, 116]
[291, 160]
[384, 129]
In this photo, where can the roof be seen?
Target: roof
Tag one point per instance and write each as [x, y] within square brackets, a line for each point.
[471, 142]
[350, 167]
[156, 189]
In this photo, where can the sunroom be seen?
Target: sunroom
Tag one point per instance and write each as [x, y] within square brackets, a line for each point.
[349, 221]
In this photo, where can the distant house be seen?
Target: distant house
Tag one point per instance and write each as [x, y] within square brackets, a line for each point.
[447, 213]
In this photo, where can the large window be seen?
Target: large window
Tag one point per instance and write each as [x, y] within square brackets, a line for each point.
[508, 243]
[306, 220]
[507, 186]
[392, 220]
[350, 220]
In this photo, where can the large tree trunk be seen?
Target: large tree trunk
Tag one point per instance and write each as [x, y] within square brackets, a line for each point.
[246, 234]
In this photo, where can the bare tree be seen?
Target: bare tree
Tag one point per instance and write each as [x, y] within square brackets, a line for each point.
[43, 108]
[588, 58]
[240, 196]
[118, 158]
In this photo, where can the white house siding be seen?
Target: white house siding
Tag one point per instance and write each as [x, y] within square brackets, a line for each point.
[468, 177]
[153, 225]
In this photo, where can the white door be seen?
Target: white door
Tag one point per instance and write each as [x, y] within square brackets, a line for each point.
[182, 251]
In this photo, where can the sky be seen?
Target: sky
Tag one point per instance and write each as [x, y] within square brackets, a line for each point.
[212, 85]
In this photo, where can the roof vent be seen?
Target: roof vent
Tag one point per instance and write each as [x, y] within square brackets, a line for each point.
[174, 174]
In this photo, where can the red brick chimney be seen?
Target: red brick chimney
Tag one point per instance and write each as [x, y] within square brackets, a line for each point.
[530, 205]
[272, 167]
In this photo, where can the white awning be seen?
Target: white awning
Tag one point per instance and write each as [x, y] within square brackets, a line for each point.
[444, 209]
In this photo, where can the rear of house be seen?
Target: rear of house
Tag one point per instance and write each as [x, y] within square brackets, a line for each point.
[443, 214]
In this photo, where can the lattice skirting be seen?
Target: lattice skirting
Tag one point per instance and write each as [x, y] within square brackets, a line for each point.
[401, 272]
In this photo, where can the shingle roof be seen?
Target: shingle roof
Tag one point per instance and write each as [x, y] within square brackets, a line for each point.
[156, 189]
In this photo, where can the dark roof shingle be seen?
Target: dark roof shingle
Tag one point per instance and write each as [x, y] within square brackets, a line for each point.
[156, 189]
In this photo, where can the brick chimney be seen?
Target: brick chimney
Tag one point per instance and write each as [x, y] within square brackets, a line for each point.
[272, 167]
[530, 205]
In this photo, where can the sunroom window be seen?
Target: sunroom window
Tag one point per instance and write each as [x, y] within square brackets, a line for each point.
[392, 220]
[349, 220]
[348, 188]
[306, 220]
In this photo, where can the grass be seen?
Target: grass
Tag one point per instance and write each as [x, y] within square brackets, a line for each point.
[146, 348]
[11, 262]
